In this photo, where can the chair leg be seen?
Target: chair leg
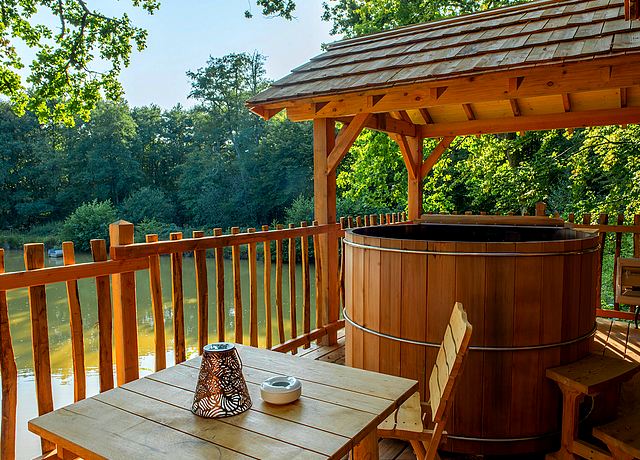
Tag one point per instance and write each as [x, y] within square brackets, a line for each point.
[419, 450]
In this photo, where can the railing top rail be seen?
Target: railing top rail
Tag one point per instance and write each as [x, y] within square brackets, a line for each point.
[138, 250]
[60, 274]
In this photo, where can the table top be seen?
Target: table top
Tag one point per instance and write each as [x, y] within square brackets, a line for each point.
[151, 416]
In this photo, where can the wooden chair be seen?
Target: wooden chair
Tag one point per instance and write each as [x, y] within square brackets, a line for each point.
[408, 422]
[628, 283]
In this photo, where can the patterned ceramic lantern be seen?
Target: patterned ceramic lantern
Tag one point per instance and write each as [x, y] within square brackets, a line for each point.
[221, 390]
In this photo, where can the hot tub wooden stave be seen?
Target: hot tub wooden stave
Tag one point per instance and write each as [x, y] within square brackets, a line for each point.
[504, 403]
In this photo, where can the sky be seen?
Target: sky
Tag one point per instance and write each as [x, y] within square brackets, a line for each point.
[184, 33]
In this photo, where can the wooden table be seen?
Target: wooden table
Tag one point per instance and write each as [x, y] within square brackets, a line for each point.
[338, 412]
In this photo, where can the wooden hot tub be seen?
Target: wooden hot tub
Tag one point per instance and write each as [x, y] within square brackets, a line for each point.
[529, 292]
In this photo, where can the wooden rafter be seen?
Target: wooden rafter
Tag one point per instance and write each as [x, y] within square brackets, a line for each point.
[534, 122]
[566, 102]
[435, 155]
[266, 113]
[632, 9]
[623, 98]
[468, 111]
[347, 136]
[425, 115]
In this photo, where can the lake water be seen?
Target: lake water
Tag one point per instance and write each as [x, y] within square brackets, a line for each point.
[27, 444]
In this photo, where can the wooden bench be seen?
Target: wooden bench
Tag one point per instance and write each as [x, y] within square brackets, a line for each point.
[622, 436]
[589, 376]
[408, 422]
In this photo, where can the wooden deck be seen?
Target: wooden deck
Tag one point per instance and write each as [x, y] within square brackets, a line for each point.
[614, 338]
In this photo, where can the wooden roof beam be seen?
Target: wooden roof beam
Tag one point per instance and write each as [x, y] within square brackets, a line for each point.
[346, 137]
[436, 153]
[534, 122]
[386, 123]
[542, 81]
[623, 98]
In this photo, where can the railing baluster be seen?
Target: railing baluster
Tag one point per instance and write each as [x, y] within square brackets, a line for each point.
[267, 288]
[636, 237]
[618, 249]
[155, 288]
[279, 308]
[202, 293]
[177, 302]
[253, 293]
[105, 325]
[220, 310]
[9, 374]
[292, 287]
[75, 323]
[603, 219]
[33, 260]
[306, 284]
[237, 289]
[318, 269]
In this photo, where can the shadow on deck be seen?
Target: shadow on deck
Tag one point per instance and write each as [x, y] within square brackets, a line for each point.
[614, 338]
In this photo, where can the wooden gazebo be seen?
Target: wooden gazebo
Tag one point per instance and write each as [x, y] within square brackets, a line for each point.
[535, 66]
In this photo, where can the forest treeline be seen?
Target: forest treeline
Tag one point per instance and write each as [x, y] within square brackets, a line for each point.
[218, 165]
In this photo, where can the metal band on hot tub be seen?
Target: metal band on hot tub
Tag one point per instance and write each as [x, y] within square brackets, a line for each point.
[472, 348]
[480, 254]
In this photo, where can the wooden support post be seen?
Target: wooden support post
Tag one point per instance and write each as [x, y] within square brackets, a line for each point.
[324, 183]
[414, 202]
[125, 322]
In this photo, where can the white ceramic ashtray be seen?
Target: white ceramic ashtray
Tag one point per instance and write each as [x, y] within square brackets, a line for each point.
[280, 390]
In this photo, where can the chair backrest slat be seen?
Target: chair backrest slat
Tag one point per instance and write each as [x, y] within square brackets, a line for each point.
[449, 361]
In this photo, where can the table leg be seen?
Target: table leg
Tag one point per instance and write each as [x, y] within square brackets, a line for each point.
[367, 449]
[570, 405]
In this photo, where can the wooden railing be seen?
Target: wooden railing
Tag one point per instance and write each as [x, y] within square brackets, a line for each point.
[115, 283]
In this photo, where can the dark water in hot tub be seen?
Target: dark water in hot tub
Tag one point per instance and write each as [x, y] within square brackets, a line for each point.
[470, 233]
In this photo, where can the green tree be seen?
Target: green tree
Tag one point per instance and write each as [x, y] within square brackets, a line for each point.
[89, 221]
[28, 171]
[100, 163]
[76, 62]
[150, 204]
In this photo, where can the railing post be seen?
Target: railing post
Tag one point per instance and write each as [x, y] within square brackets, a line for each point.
[125, 323]
[541, 208]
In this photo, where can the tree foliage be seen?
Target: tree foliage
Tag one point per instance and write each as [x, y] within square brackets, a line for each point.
[76, 62]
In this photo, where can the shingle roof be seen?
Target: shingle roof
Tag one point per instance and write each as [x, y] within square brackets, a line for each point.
[527, 35]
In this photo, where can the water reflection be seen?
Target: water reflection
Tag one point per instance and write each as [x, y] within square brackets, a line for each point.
[27, 444]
